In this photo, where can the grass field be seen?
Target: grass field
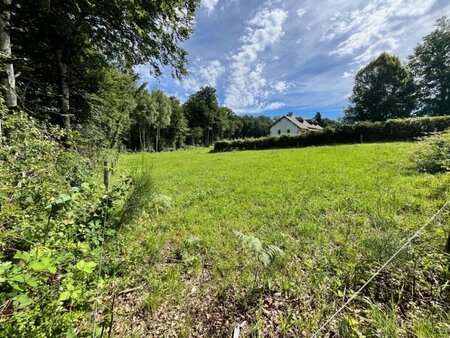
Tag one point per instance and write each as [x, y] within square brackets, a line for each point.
[277, 240]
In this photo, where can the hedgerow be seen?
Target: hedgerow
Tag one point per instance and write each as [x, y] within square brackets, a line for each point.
[389, 131]
[52, 209]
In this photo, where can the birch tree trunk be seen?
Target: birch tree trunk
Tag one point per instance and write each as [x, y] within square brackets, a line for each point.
[64, 89]
[8, 78]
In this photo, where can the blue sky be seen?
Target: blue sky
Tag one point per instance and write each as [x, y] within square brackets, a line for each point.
[272, 57]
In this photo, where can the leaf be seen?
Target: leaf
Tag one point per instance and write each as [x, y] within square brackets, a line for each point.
[62, 199]
[64, 296]
[86, 267]
[23, 255]
[44, 264]
[25, 278]
[4, 267]
[22, 301]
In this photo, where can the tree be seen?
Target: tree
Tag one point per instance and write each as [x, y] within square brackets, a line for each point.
[176, 131]
[430, 65]
[8, 78]
[144, 115]
[112, 108]
[383, 90]
[202, 112]
[63, 34]
[230, 123]
[255, 126]
[318, 118]
[163, 111]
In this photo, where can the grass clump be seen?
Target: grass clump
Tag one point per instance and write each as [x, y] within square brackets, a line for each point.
[139, 197]
[433, 154]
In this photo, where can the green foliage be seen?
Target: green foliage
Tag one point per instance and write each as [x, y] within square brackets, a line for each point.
[383, 90]
[430, 65]
[111, 108]
[203, 113]
[51, 217]
[432, 155]
[68, 45]
[254, 126]
[266, 254]
[174, 136]
[391, 130]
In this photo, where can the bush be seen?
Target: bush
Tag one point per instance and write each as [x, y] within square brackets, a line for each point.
[51, 215]
[389, 131]
[433, 154]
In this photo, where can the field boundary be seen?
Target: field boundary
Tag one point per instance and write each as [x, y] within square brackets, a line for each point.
[410, 239]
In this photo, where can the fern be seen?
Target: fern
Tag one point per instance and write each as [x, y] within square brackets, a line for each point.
[266, 254]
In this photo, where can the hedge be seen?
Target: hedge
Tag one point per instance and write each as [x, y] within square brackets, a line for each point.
[388, 131]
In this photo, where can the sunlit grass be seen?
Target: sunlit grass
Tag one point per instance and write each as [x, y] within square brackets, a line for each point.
[336, 213]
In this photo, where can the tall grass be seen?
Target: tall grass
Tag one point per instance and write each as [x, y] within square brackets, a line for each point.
[140, 196]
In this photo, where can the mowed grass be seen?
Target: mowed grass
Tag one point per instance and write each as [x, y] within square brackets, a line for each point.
[336, 212]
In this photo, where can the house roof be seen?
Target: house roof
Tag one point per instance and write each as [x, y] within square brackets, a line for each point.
[300, 123]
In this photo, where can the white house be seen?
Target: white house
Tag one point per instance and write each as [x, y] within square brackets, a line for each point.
[289, 124]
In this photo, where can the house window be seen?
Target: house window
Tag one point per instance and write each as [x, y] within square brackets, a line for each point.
[279, 131]
[289, 131]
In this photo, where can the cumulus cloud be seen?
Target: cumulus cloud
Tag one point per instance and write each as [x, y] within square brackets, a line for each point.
[281, 86]
[370, 30]
[248, 90]
[209, 5]
[203, 74]
[251, 55]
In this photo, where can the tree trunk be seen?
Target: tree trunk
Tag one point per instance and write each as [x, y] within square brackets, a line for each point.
[8, 78]
[140, 138]
[143, 138]
[64, 91]
[157, 140]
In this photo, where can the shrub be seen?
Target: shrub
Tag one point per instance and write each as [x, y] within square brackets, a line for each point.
[389, 131]
[433, 154]
[51, 216]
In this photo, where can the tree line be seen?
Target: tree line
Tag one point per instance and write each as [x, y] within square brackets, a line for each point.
[162, 122]
[386, 88]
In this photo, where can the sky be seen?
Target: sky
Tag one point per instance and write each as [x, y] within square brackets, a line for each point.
[276, 56]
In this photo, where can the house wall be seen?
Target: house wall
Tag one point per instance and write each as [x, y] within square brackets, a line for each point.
[283, 126]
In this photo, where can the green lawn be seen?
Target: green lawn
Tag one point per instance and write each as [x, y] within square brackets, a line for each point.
[334, 214]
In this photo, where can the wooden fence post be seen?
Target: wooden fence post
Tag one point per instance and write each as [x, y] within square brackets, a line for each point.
[106, 175]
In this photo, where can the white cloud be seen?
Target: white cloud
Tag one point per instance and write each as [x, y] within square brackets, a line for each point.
[209, 5]
[274, 105]
[211, 72]
[203, 74]
[371, 30]
[248, 90]
[346, 75]
[301, 12]
[281, 86]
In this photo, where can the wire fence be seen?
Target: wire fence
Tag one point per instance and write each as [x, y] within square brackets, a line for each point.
[409, 241]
